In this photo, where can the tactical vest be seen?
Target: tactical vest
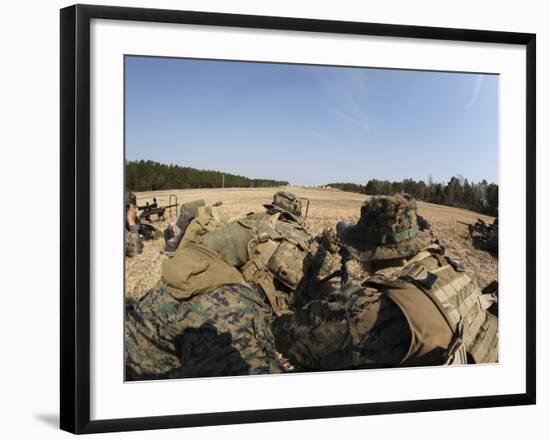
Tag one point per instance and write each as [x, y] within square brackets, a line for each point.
[270, 253]
[445, 310]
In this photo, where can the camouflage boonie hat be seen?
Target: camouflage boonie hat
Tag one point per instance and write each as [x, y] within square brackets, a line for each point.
[387, 229]
[288, 204]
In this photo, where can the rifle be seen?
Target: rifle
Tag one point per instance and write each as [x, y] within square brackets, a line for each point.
[154, 209]
[145, 231]
[484, 235]
[471, 227]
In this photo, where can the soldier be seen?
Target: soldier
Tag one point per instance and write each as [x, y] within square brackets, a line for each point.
[133, 244]
[417, 307]
[490, 243]
[270, 249]
[222, 331]
[211, 312]
[484, 236]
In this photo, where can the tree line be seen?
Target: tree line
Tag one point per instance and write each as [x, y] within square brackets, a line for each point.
[147, 175]
[480, 197]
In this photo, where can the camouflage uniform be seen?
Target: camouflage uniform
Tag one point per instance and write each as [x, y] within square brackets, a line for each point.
[133, 244]
[421, 309]
[491, 243]
[270, 249]
[222, 332]
[211, 313]
[349, 329]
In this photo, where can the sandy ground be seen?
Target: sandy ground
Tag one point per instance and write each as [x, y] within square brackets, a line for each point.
[327, 207]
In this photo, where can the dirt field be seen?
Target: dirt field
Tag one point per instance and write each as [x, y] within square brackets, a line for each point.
[327, 207]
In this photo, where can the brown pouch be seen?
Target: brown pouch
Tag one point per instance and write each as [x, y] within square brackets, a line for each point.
[288, 264]
[195, 268]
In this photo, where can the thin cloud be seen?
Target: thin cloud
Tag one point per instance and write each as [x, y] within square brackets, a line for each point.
[340, 114]
[317, 135]
[347, 96]
[477, 88]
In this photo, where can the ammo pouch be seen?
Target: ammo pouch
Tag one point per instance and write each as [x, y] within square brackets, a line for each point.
[287, 264]
[256, 272]
[281, 260]
[195, 268]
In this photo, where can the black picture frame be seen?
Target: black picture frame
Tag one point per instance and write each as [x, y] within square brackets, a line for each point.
[75, 214]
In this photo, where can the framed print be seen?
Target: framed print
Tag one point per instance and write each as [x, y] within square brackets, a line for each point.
[286, 218]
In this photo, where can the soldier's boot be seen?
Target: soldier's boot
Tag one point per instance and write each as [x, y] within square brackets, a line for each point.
[173, 234]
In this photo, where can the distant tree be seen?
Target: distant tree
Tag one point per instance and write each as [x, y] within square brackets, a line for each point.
[348, 187]
[149, 175]
[372, 187]
[458, 191]
[492, 199]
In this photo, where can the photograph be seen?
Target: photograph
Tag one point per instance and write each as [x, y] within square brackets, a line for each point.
[299, 218]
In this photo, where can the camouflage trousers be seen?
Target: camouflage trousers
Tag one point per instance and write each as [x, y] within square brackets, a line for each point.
[351, 329]
[132, 242]
[222, 332]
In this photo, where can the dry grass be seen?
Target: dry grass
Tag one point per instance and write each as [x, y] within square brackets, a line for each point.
[327, 207]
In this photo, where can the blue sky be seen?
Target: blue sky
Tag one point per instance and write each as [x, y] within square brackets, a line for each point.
[311, 124]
